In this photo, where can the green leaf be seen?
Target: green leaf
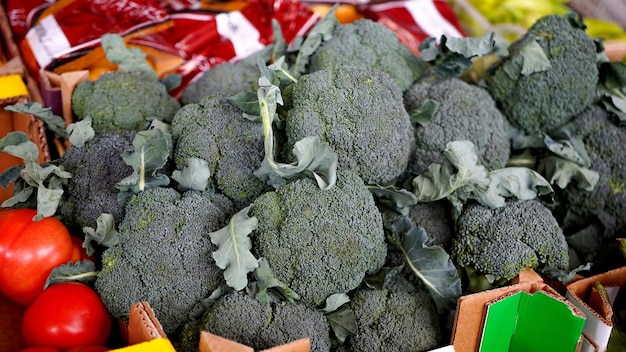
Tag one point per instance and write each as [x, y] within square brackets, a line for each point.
[528, 60]
[128, 59]
[280, 44]
[80, 132]
[82, 271]
[322, 31]
[562, 172]
[151, 150]
[564, 275]
[54, 123]
[196, 174]
[380, 280]
[471, 46]
[431, 264]
[172, 81]
[343, 323]
[569, 148]
[266, 280]
[104, 234]
[424, 114]
[335, 301]
[398, 199]
[513, 182]
[19, 145]
[248, 102]
[233, 254]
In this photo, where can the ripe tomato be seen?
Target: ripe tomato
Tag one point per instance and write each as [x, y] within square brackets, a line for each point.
[88, 349]
[78, 252]
[65, 315]
[39, 349]
[29, 250]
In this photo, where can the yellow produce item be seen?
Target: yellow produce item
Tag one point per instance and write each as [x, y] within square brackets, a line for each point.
[156, 345]
[12, 86]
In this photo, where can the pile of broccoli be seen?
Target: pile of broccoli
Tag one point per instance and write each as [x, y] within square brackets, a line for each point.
[361, 96]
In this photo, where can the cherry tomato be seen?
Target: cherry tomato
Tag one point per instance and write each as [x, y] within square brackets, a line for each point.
[65, 315]
[29, 250]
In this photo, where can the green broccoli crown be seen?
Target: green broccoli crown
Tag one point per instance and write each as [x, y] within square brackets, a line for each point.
[503, 241]
[119, 101]
[163, 255]
[400, 317]
[603, 140]
[320, 242]
[542, 101]
[465, 112]
[96, 168]
[360, 113]
[371, 44]
[225, 79]
[216, 131]
[242, 318]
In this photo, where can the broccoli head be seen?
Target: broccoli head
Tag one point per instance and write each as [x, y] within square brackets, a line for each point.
[369, 43]
[539, 102]
[399, 317]
[119, 101]
[359, 112]
[241, 317]
[225, 79]
[500, 242]
[320, 242]
[604, 141]
[164, 254]
[465, 112]
[96, 168]
[216, 131]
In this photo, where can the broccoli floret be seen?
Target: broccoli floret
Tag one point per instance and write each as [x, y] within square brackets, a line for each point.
[320, 242]
[96, 168]
[164, 254]
[225, 79]
[500, 242]
[119, 101]
[360, 113]
[465, 112]
[371, 44]
[400, 317]
[542, 101]
[604, 143]
[242, 318]
[216, 131]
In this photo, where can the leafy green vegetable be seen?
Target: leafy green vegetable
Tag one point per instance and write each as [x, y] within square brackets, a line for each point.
[80, 132]
[531, 59]
[47, 179]
[398, 199]
[128, 59]
[151, 150]
[424, 113]
[82, 271]
[431, 264]
[195, 174]
[266, 280]
[452, 56]
[321, 32]
[104, 234]
[54, 123]
[233, 254]
[461, 177]
[340, 317]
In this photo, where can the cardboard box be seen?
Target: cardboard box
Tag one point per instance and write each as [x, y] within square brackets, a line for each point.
[473, 310]
[596, 307]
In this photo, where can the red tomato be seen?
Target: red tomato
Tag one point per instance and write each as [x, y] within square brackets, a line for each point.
[88, 349]
[78, 252]
[29, 250]
[66, 315]
[39, 349]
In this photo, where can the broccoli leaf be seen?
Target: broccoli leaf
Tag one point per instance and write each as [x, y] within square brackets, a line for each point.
[564, 275]
[399, 200]
[471, 46]
[54, 123]
[424, 114]
[611, 89]
[531, 59]
[82, 271]
[195, 175]
[432, 265]
[322, 31]
[48, 180]
[266, 280]
[380, 280]
[248, 102]
[104, 234]
[562, 172]
[452, 56]
[314, 157]
[233, 254]
[80, 132]
[128, 59]
[151, 150]
[513, 182]
[340, 317]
